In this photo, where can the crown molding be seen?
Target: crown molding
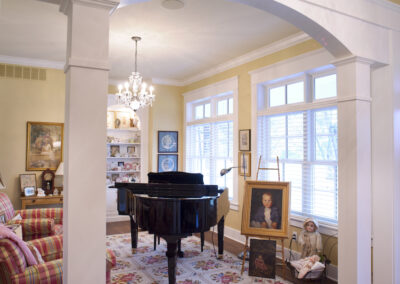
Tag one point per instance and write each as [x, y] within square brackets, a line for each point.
[253, 55]
[160, 81]
[32, 62]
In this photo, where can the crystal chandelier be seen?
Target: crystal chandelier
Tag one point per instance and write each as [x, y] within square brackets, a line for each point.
[135, 94]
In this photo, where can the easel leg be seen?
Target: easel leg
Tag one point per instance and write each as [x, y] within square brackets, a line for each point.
[283, 257]
[244, 253]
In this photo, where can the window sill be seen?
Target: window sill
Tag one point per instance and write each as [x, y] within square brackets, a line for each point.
[234, 206]
[325, 228]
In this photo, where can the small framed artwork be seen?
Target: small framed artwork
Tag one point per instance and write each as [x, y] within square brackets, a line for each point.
[261, 199]
[131, 151]
[244, 140]
[244, 164]
[114, 151]
[167, 141]
[121, 164]
[29, 191]
[44, 145]
[2, 216]
[124, 118]
[262, 258]
[27, 180]
[167, 162]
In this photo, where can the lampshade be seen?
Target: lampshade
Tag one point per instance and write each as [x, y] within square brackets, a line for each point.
[2, 183]
[60, 169]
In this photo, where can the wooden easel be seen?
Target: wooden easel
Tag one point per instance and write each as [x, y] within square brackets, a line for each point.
[246, 245]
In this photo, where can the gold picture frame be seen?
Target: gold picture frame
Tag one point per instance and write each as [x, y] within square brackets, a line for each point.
[257, 195]
[244, 164]
[44, 145]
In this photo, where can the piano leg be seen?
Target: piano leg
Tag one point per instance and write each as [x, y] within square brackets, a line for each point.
[221, 224]
[172, 249]
[180, 252]
[201, 241]
[134, 233]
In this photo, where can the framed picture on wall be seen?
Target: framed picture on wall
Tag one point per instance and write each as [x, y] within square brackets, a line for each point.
[167, 141]
[44, 145]
[167, 162]
[244, 164]
[244, 140]
[262, 195]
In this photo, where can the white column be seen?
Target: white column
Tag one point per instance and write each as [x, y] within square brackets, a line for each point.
[85, 136]
[354, 177]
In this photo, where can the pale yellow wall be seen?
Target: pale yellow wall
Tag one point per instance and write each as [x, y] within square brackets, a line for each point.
[166, 114]
[23, 100]
[234, 217]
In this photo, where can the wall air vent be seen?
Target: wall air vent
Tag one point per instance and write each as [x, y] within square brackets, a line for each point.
[22, 72]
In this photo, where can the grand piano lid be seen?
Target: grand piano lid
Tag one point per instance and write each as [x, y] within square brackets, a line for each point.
[170, 189]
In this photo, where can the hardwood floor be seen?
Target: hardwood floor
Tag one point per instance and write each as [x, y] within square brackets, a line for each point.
[229, 245]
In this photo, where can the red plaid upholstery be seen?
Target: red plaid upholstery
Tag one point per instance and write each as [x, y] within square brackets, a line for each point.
[6, 205]
[47, 273]
[12, 260]
[49, 248]
[36, 223]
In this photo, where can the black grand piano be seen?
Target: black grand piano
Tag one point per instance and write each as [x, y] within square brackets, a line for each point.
[173, 205]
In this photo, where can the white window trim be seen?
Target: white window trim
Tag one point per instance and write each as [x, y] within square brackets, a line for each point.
[222, 87]
[310, 61]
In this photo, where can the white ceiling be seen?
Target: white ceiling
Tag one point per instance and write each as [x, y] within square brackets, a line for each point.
[176, 44]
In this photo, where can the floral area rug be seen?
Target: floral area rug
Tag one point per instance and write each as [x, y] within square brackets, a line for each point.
[150, 266]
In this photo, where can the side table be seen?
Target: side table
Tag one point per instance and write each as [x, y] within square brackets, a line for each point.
[41, 200]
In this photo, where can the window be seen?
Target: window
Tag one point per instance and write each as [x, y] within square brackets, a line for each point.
[304, 137]
[211, 137]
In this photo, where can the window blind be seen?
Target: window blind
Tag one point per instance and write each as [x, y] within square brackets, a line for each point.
[209, 148]
[306, 143]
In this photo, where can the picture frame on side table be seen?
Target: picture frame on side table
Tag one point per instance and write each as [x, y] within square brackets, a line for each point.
[167, 141]
[244, 140]
[258, 196]
[244, 164]
[167, 162]
[29, 191]
[44, 145]
[27, 180]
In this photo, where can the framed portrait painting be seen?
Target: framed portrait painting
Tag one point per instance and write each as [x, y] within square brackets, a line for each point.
[167, 141]
[262, 199]
[262, 258]
[244, 140]
[44, 145]
[167, 162]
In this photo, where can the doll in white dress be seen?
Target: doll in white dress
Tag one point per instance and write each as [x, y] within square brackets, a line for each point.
[310, 239]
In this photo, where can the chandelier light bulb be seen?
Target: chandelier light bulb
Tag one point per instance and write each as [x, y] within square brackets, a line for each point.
[136, 93]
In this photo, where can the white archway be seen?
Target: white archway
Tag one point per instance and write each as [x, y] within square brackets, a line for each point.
[344, 29]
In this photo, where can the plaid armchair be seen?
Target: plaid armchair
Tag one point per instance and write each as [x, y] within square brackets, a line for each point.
[35, 223]
[15, 270]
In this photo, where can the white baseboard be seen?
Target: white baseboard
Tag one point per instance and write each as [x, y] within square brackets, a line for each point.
[233, 234]
[116, 218]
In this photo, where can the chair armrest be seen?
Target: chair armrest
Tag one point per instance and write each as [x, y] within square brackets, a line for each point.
[35, 228]
[48, 272]
[51, 213]
[50, 248]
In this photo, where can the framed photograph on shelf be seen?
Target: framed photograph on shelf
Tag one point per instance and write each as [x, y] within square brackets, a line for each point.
[244, 140]
[244, 164]
[44, 145]
[27, 180]
[262, 258]
[29, 191]
[167, 141]
[114, 151]
[261, 197]
[167, 162]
